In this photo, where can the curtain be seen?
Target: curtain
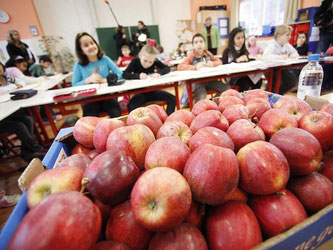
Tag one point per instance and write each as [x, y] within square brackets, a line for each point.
[290, 10]
[234, 14]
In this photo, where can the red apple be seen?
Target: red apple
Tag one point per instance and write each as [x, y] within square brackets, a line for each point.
[168, 152]
[161, 199]
[263, 168]
[145, 116]
[230, 92]
[236, 112]
[123, 227]
[159, 111]
[243, 132]
[229, 101]
[84, 130]
[196, 214]
[284, 100]
[212, 172]
[52, 181]
[320, 124]
[277, 212]
[328, 108]
[212, 136]
[64, 220]
[134, 140]
[93, 154]
[327, 167]
[274, 120]
[315, 191]
[111, 176]
[255, 93]
[79, 161]
[80, 149]
[177, 129]
[236, 195]
[104, 209]
[110, 245]
[232, 225]
[204, 105]
[257, 107]
[181, 115]
[210, 118]
[296, 108]
[185, 236]
[306, 156]
[102, 131]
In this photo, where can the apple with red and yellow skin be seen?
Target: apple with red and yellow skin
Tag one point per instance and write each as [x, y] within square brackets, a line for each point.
[80, 149]
[229, 101]
[212, 172]
[80, 161]
[145, 116]
[177, 129]
[168, 152]
[236, 112]
[111, 176]
[102, 131]
[277, 212]
[160, 199]
[52, 181]
[257, 107]
[284, 100]
[159, 111]
[263, 168]
[243, 132]
[212, 136]
[63, 220]
[303, 159]
[204, 105]
[235, 195]
[84, 130]
[134, 140]
[315, 190]
[327, 167]
[210, 118]
[196, 214]
[274, 120]
[232, 224]
[185, 236]
[230, 92]
[328, 108]
[93, 154]
[255, 93]
[296, 108]
[319, 124]
[123, 227]
[181, 115]
[110, 245]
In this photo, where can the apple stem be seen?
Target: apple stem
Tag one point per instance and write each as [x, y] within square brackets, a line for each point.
[152, 205]
[280, 193]
[84, 183]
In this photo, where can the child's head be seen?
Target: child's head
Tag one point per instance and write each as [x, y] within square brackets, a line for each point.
[181, 47]
[147, 55]
[120, 29]
[198, 42]
[160, 48]
[301, 39]
[45, 61]
[141, 24]
[21, 63]
[282, 34]
[252, 40]
[86, 47]
[125, 50]
[236, 38]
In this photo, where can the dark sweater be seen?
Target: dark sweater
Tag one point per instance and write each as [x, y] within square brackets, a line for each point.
[303, 50]
[14, 51]
[134, 69]
[228, 58]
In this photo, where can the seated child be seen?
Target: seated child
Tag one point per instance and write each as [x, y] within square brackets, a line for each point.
[124, 60]
[280, 49]
[44, 68]
[254, 49]
[180, 52]
[162, 56]
[200, 58]
[302, 46]
[237, 52]
[142, 66]
[93, 67]
[7, 83]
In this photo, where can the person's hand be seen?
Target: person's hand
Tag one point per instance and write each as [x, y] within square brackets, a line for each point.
[124, 36]
[119, 60]
[284, 56]
[143, 76]
[242, 58]
[18, 85]
[293, 56]
[209, 64]
[137, 44]
[155, 75]
[199, 65]
[137, 34]
[94, 78]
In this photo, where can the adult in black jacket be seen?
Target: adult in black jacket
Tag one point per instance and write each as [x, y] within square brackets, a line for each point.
[142, 29]
[120, 38]
[324, 20]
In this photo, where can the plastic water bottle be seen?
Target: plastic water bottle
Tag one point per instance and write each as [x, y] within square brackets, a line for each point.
[311, 78]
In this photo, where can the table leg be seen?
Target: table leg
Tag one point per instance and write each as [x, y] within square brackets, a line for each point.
[177, 95]
[270, 80]
[39, 138]
[277, 81]
[50, 118]
[189, 92]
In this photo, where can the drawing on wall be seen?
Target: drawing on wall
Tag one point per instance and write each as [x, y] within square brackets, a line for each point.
[185, 29]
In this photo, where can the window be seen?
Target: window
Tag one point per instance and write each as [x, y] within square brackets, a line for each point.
[258, 16]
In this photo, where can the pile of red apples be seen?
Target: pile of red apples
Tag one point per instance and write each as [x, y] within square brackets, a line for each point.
[224, 176]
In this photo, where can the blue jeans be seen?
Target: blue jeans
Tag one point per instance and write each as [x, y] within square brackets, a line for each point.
[324, 42]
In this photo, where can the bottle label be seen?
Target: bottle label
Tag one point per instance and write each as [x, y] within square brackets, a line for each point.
[312, 79]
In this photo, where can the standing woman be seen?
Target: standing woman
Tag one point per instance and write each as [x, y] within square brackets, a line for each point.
[120, 38]
[139, 43]
[94, 67]
[17, 48]
[211, 35]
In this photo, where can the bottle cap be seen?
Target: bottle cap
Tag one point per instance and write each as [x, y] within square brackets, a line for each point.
[314, 57]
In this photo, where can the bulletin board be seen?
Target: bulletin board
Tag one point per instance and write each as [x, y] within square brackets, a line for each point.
[223, 27]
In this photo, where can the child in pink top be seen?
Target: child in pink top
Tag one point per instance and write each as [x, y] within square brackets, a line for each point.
[253, 48]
